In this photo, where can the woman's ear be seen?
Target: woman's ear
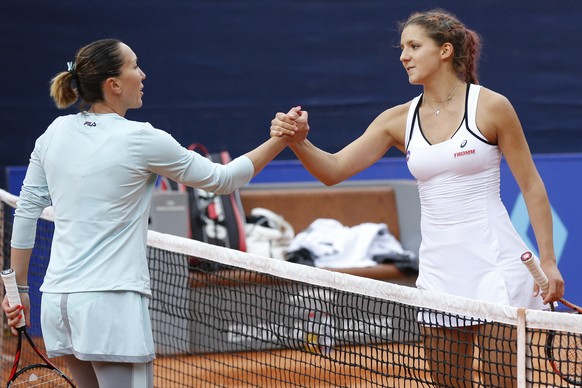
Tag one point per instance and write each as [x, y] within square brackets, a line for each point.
[447, 50]
[112, 85]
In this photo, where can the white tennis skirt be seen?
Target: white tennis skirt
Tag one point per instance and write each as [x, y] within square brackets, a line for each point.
[111, 326]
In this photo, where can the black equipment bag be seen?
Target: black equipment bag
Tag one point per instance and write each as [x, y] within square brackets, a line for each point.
[216, 219]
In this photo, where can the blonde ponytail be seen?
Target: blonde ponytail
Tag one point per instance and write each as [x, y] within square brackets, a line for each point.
[62, 91]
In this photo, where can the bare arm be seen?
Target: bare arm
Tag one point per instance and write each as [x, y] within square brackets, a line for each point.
[385, 131]
[263, 154]
[503, 126]
[19, 261]
[266, 152]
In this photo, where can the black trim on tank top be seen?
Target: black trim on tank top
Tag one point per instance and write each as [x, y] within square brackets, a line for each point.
[483, 139]
[464, 120]
[413, 122]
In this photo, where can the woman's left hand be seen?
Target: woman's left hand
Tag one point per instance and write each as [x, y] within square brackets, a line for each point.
[555, 281]
[290, 124]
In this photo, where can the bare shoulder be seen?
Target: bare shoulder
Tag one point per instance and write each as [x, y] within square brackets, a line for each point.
[397, 112]
[492, 100]
[392, 122]
[495, 115]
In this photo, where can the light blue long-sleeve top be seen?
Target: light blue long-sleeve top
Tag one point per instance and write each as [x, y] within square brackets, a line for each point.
[99, 173]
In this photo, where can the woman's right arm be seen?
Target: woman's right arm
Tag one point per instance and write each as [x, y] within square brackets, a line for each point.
[385, 131]
[34, 197]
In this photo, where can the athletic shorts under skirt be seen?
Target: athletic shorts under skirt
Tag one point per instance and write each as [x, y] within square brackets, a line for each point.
[111, 326]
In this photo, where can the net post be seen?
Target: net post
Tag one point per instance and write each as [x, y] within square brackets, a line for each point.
[521, 348]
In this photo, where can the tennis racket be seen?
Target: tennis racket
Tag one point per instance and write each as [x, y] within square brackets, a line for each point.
[563, 349]
[42, 374]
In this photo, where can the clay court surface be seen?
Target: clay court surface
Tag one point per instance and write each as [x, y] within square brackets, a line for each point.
[360, 366]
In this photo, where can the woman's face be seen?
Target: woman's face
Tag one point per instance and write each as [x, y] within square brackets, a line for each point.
[420, 54]
[130, 79]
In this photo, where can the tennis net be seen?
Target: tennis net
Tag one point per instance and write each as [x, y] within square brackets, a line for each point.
[224, 318]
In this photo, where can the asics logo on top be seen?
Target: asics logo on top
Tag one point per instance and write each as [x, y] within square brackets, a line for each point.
[464, 153]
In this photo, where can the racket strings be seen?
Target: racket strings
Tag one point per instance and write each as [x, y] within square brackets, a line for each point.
[39, 376]
[567, 355]
[564, 351]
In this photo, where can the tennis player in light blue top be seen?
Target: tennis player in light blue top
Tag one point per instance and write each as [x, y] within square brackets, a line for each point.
[98, 170]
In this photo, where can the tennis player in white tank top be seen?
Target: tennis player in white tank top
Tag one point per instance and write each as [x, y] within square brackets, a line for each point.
[469, 245]
[453, 136]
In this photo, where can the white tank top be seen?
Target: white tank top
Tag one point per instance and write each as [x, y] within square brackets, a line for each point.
[469, 245]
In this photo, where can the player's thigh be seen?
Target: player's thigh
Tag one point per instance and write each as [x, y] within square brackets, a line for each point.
[124, 375]
[82, 372]
[498, 352]
[498, 342]
[453, 341]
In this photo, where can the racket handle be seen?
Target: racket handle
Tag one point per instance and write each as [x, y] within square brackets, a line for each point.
[9, 278]
[536, 271]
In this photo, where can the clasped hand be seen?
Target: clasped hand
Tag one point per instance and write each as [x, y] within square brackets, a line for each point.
[292, 124]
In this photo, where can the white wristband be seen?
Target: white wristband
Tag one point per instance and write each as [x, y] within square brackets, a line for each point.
[23, 289]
